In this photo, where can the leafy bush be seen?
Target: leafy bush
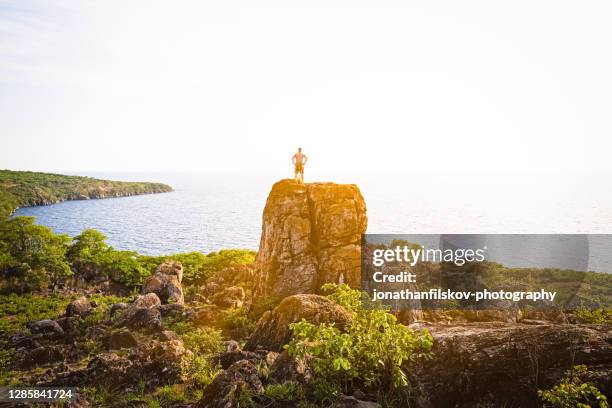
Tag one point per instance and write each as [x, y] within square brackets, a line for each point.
[343, 295]
[8, 203]
[92, 257]
[205, 343]
[124, 267]
[237, 318]
[372, 352]
[200, 370]
[572, 392]
[203, 340]
[31, 255]
[595, 316]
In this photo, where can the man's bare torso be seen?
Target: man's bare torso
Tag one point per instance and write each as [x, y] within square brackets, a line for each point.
[299, 158]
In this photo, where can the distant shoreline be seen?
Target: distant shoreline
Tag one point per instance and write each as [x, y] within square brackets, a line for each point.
[19, 189]
[89, 198]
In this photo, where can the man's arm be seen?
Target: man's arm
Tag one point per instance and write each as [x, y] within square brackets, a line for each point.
[293, 159]
[305, 158]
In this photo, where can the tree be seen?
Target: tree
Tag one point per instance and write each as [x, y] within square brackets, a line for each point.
[32, 255]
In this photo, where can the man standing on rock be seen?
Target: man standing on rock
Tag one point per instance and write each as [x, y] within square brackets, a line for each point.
[299, 161]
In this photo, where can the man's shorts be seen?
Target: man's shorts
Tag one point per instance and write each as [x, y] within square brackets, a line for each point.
[299, 168]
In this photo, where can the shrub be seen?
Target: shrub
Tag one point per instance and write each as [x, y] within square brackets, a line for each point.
[200, 370]
[572, 392]
[595, 316]
[92, 257]
[124, 267]
[372, 352]
[205, 343]
[31, 255]
[237, 318]
[343, 295]
[203, 340]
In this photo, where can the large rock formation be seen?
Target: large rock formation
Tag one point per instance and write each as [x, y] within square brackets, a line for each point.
[311, 235]
[500, 364]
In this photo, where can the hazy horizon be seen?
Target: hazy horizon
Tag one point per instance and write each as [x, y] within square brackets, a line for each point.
[386, 87]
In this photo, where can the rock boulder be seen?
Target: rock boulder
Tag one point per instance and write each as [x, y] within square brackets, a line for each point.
[232, 296]
[46, 328]
[272, 330]
[227, 387]
[80, 307]
[166, 283]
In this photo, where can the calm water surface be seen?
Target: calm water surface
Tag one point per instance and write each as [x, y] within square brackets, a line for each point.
[210, 212]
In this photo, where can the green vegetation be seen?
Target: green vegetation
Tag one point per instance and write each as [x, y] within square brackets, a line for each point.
[238, 321]
[371, 354]
[573, 392]
[92, 257]
[17, 310]
[198, 267]
[595, 316]
[573, 288]
[26, 188]
[289, 391]
[8, 203]
[202, 340]
[32, 257]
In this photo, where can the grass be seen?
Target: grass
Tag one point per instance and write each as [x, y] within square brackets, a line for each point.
[17, 310]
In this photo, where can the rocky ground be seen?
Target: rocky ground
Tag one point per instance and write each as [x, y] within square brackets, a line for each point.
[167, 347]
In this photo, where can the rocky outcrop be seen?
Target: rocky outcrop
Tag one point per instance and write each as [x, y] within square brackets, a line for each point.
[272, 330]
[311, 235]
[506, 364]
[41, 356]
[166, 283]
[287, 368]
[241, 378]
[46, 328]
[80, 307]
[120, 339]
[143, 313]
[232, 296]
[156, 362]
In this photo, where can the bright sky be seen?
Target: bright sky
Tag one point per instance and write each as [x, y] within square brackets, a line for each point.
[383, 86]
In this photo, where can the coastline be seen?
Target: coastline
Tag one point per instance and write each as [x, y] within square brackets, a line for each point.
[19, 189]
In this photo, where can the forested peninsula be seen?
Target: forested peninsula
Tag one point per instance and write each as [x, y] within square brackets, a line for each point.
[26, 188]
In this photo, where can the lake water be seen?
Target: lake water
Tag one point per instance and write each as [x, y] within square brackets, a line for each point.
[209, 212]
